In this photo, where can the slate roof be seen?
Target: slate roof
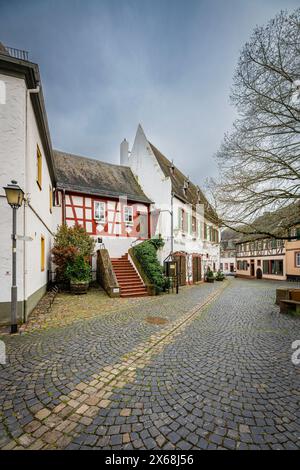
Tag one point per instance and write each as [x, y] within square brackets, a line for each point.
[90, 176]
[276, 223]
[193, 195]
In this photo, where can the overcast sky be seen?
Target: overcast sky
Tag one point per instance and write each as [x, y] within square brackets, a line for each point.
[107, 65]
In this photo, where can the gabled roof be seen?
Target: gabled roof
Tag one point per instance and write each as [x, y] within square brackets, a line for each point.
[193, 194]
[90, 176]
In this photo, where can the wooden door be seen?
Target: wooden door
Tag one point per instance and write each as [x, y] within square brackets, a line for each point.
[196, 268]
[181, 259]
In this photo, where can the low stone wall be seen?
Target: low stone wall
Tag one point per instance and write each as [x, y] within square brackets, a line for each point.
[150, 287]
[105, 274]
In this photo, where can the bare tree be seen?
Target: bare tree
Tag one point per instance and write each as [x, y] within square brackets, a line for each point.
[259, 162]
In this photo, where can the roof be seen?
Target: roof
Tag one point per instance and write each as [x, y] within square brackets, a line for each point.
[29, 71]
[193, 194]
[90, 176]
[274, 223]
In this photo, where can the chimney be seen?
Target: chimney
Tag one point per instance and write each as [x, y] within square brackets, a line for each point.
[124, 152]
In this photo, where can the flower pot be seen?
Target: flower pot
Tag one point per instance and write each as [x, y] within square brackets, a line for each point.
[79, 287]
[210, 279]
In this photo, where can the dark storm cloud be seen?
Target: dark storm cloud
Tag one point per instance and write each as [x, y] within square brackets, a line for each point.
[107, 65]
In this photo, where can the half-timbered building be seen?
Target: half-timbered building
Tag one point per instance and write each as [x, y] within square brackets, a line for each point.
[105, 199]
[261, 258]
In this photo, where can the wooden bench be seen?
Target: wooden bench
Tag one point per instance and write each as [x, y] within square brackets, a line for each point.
[289, 306]
[285, 293]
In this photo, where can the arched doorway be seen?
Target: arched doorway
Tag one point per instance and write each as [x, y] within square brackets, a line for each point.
[258, 273]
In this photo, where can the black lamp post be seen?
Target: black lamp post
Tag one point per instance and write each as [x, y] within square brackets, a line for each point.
[15, 197]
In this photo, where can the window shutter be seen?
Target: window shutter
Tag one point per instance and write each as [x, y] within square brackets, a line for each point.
[180, 224]
[199, 229]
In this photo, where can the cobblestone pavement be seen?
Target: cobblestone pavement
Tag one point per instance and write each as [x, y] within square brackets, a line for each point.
[218, 374]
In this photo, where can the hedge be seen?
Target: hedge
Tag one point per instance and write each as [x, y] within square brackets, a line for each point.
[146, 253]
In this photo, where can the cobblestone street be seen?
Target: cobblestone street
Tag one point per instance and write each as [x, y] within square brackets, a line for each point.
[216, 373]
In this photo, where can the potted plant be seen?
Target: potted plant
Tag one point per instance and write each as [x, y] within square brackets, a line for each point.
[220, 276]
[79, 274]
[209, 275]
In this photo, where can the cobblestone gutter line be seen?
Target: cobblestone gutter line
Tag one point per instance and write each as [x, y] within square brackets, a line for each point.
[56, 428]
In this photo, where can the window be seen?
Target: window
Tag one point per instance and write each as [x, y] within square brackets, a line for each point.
[242, 265]
[180, 219]
[42, 253]
[273, 266]
[128, 215]
[39, 167]
[50, 199]
[99, 211]
[295, 232]
[297, 260]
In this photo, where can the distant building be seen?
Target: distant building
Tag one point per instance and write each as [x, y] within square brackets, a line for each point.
[293, 255]
[272, 258]
[261, 258]
[228, 255]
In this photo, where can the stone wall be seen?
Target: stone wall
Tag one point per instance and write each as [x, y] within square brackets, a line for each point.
[105, 274]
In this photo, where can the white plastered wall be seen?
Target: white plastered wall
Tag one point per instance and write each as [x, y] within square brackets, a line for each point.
[12, 167]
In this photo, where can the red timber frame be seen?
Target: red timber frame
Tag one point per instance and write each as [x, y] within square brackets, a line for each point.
[79, 209]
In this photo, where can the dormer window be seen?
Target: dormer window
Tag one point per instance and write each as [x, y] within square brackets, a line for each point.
[185, 186]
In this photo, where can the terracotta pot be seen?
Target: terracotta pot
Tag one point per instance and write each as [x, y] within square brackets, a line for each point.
[79, 287]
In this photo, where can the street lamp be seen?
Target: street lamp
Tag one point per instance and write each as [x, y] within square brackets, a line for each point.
[15, 197]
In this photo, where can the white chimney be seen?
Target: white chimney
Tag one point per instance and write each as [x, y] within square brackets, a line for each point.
[124, 152]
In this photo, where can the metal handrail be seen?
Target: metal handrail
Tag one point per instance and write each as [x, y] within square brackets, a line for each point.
[17, 53]
[135, 241]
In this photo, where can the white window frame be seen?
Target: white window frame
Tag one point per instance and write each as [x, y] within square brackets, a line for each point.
[297, 260]
[127, 211]
[100, 215]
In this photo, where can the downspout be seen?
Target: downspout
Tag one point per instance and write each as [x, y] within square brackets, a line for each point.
[24, 210]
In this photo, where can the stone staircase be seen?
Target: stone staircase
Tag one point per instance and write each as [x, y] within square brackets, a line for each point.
[129, 281]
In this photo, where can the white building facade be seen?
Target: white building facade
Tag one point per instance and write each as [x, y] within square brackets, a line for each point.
[25, 156]
[195, 234]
